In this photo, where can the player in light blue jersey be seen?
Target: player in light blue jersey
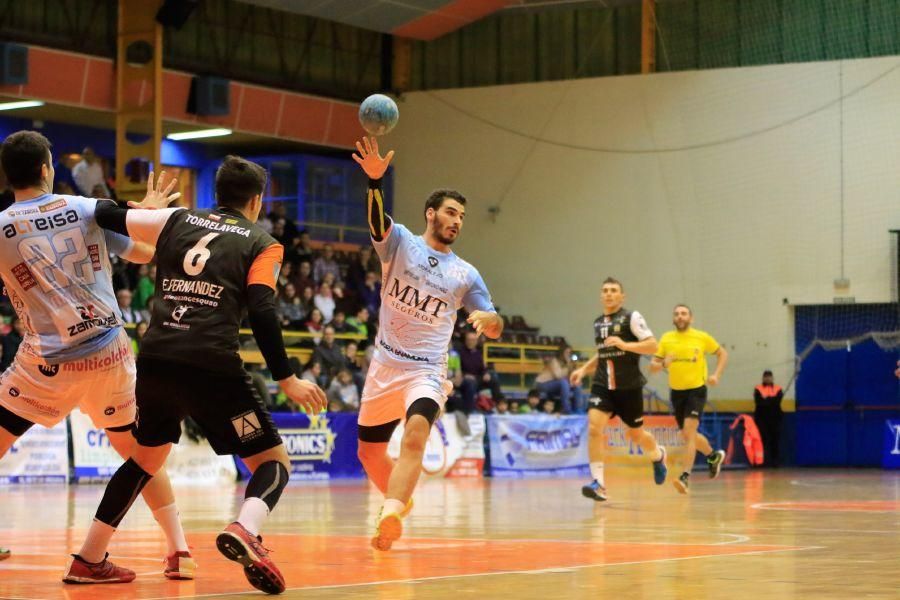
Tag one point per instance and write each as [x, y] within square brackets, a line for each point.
[54, 264]
[424, 285]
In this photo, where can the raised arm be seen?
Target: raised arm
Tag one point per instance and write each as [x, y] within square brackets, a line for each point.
[374, 166]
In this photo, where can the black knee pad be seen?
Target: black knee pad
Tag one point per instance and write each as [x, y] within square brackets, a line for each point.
[425, 407]
[13, 423]
[378, 434]
[267, 483]
[121, 491]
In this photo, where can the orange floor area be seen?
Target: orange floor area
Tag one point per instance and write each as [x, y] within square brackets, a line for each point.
[748, 535]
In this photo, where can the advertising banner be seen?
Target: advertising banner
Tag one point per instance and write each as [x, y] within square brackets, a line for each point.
[450, 452]
[39, 456]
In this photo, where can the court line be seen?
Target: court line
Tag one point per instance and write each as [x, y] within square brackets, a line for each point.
[790, 506]
[493, 573]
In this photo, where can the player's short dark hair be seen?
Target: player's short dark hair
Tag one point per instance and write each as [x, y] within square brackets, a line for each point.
[238, 180]
[22, 155]
[682, 305]
[437, 197]
[613, 281]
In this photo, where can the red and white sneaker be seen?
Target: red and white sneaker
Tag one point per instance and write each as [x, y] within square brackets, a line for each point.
[180, 565]
[239, 545]
[105, 571]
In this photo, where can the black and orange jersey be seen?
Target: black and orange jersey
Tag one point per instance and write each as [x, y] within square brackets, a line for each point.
[206, 261]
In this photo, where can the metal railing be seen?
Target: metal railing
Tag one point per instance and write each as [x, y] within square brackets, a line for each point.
[341, 230]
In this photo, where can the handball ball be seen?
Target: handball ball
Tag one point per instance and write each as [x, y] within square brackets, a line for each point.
[378, 114]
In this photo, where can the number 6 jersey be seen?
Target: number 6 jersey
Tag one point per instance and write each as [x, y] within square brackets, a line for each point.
[205, 262]
[55, 266]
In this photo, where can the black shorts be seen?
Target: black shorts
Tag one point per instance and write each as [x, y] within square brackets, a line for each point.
[688, 403]
[226, 407]
[628, 404]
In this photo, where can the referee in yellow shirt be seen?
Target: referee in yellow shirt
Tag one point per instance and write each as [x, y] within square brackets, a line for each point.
[683, 353]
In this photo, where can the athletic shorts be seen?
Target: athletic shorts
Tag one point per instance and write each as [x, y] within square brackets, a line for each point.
[389, 392]
[628, 404]
[227, 408]
[100, 384]
[688, 403]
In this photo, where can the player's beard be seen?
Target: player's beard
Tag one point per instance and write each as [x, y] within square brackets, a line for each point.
[681, 326]
[439, 234]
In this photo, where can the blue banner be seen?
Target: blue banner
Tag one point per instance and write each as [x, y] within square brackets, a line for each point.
[890, 456]
[320, 448]
[538, 445]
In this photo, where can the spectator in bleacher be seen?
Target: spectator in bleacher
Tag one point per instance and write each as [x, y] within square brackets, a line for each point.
[353, 363]
[343, 389]
[306, 298]
[146, 286]
[312, 372]
[363, 262]
[360, 322]
[532, 402]
[302, 248]
[370, 293]
[324, 301]
[302, 276]
[315, 323]
[140, 330]
[278, 232]
[502, 407]
[289, 228]
[64, 189]
[89, 177]
[129, 313]
[553, 380]
[476, 376]
[330, 354]
[339, 322]
[549, 407]
[285, 274]
[326, 264]
[290, 309]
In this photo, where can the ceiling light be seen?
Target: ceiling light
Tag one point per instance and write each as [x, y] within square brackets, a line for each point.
[200, 133]
[21, 104]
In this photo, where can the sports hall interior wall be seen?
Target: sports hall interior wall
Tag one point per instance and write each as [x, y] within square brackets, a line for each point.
[719, 188]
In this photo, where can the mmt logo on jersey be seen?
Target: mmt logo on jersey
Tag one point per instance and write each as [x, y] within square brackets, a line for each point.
[314, 443]
[411, 301]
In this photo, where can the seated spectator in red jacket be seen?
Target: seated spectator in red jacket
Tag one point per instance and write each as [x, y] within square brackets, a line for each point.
[476, 375]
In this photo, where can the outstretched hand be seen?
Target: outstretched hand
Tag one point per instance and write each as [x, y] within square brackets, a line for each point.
[157, 196]
[370, 160]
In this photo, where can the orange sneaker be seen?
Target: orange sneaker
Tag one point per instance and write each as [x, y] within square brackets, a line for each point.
[388, 531]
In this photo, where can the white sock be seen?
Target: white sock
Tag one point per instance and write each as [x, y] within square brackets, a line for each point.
[392, 507]
[97, 541]
[253, 512]
[167, 517]
[597, 472]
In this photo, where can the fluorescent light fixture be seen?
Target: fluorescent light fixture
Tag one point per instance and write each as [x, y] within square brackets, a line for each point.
[201, 133]
[20, 104]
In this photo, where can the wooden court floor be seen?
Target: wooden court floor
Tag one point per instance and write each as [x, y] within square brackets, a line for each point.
[776, 534]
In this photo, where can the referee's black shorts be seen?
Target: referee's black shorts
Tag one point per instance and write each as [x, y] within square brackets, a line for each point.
[688, 404]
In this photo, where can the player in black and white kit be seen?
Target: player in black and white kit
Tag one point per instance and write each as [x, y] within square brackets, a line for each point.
[212, 268]
[621, 336]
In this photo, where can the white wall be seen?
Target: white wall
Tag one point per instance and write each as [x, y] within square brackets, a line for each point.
[747, 215]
